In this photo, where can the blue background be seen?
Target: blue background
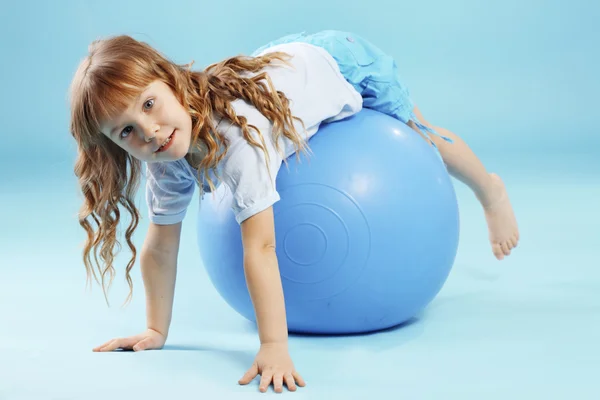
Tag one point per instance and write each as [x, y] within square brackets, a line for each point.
[517, 80]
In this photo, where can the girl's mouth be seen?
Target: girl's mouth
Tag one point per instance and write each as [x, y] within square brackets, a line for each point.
[167, 143]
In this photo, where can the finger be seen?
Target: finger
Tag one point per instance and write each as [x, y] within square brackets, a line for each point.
[278, 383]
[249, 375]
[299, 379]
[97, 348]
[289, 381]
[113, 345]
[106, 345]
[123, 343]
[265, 381]
[143, 344]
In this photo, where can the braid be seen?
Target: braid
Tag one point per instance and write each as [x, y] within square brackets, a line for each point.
[222, 83]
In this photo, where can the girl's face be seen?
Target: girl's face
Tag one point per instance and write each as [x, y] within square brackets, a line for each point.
[155, 127]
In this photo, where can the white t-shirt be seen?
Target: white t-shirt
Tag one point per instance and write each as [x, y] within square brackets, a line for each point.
[317, 92]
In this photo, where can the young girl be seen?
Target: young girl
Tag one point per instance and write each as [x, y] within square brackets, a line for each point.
[233, 123]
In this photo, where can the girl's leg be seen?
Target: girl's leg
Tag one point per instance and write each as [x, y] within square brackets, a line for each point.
[489, 189]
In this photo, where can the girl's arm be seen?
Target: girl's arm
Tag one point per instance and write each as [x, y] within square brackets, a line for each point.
[273, 361]
[158, 262]
[262, 277]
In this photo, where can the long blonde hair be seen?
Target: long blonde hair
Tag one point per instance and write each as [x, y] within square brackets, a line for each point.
[107, 80]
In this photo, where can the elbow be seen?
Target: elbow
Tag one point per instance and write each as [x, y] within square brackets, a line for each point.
[259, 250]
[258, 235]
[268, 246]
[260, 256]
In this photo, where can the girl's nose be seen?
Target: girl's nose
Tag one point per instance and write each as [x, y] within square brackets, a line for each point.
[150, 132]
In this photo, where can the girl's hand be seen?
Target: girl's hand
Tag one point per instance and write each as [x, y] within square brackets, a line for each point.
[274, 364]
[150, 339]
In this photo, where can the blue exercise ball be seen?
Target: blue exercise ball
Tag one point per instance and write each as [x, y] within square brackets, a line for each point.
[366, 230]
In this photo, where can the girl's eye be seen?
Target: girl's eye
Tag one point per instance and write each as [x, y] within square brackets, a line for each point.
[147, 105]
[127, 130]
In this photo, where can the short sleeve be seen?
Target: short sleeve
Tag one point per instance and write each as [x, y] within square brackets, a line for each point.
[169, 191]
[317, 93]
[252, 184]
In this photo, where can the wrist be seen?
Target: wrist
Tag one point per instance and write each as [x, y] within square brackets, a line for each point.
[163, 333]
[273, 331]
[282, 344]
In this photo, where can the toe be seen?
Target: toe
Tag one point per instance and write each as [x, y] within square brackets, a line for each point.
[505, 248]
[497, 250]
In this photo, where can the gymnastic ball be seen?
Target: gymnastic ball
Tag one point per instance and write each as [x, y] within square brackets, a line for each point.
[366, 229]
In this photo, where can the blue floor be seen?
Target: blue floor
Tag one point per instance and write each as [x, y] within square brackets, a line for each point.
[523, 328]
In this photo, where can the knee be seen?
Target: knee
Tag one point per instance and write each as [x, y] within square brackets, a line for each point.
[422, 119]
[427, 138]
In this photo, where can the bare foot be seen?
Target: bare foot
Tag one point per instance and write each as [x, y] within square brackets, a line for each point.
[500, 217]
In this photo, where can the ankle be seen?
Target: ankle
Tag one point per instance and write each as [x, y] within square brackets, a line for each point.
[488, 192]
